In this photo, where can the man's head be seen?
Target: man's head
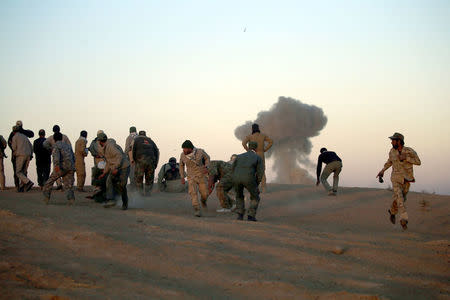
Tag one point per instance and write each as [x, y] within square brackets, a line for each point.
[133, 129]
[56, 129]
[42, 133]
[233, 157]
[142, 133]
[83, 133]
[323, 150]
[188, 147]
[99, 131]
[397, 140]
[173, 162]
[252, 145]
[15, 128]
[19, 123]
[102, 138]
[57, 136]
[255, 128]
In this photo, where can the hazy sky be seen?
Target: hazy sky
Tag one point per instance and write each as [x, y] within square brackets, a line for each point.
[188, 69]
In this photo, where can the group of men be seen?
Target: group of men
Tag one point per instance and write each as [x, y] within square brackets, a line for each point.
[113, 167]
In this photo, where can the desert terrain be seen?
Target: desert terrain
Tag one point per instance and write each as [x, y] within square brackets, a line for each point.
[306, 245]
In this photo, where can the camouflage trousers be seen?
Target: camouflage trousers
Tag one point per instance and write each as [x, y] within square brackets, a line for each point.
[398, 205]
[334, 167]
[117, 184]
[144, 169]
[68, 180]
[222, 189]
[198, 184]
[80, 168]
[252, 188]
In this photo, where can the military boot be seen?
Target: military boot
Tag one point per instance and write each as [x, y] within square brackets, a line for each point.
[391, 217]
[251, 218]
[404, 224]
[240, 217]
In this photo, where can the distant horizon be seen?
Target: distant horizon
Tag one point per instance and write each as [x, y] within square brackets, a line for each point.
[189, 70]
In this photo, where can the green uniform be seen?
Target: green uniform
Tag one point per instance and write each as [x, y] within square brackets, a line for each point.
[248, 171]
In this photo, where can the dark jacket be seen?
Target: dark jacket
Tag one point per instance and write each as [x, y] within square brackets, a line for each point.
[248, 167]
[145, 149]
[43, 156]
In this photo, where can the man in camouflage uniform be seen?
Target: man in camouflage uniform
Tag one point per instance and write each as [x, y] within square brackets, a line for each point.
[260, 139]
[63, 167]
[116, 170]
[145, 157]
[50, 142]
[401, 159]
[3, 145]
[96, 171]
[129, 151]
[196, 162]
[23, 153]
[248, 171]
[80, 153]
[219, 170]
[169, 177]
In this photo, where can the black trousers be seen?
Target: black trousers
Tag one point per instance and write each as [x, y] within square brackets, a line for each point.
[43, 172]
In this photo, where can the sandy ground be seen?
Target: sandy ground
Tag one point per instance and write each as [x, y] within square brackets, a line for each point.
[159, 250]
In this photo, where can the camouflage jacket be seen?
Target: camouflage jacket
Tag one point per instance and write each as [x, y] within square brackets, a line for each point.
[220, 170]
[402, 170]
[63, 156]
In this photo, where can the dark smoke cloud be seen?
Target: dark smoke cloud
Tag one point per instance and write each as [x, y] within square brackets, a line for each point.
[291, 124]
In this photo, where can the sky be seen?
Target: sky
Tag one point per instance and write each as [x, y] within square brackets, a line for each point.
[198, 69]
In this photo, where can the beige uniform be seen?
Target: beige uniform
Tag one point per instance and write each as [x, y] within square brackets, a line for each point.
[401, 177]
[2, 168]
[195, 166]
[80, 166]
[129, 152]
[23, 150]
[261, 139]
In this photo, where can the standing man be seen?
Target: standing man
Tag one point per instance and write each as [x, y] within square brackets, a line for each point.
[220, 171]
[248, 171]
[169, 177]
[80, 153]
[260, 139]
[3, 145]
[333, 165]
[196, 162]
[27, 133]
[117, 169]
[401, 159]
[23, 151]
[145, 157]
[43, 159]
[50, 142]
[63, 167]
[128, 150]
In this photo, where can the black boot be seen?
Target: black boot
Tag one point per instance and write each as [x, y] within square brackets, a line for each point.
[391, 217]
[250, 218]
[124, 199]
[240, 217]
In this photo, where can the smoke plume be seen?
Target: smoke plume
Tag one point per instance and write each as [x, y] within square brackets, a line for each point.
[291, 124]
